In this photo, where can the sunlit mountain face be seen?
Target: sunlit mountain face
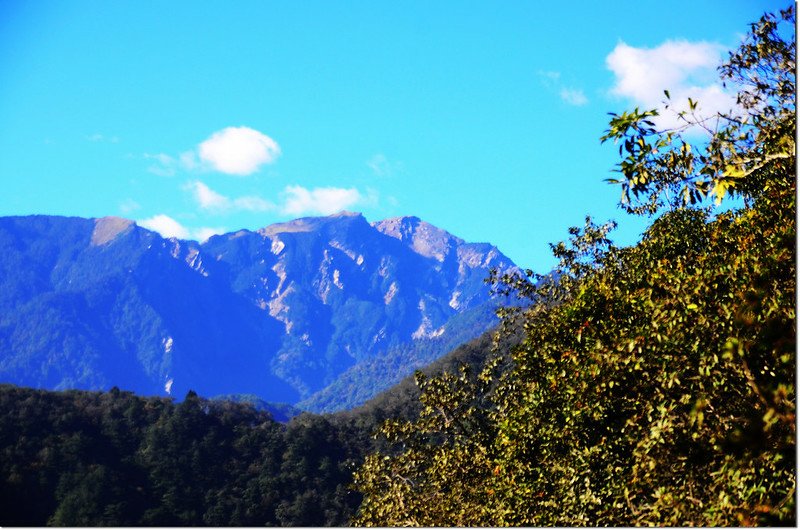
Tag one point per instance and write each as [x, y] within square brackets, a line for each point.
[323, 311]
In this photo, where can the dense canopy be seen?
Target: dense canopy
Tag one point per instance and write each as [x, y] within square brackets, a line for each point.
[655, 384]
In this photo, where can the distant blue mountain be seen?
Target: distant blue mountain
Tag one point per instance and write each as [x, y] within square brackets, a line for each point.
[327, 311]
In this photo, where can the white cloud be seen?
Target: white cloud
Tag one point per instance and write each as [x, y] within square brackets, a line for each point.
[550, 75]
[165, 165]
[252, 203]
[209, 199]
[165, 225]
[188, 160]
[169, 227]
[233, 150]
[97, 137]
[204, 233]
[685, 69]
[322, 201]
[573, 97]
[382, 166]
[238, 150]
[128, 205]
[379, 165]
[569, 95]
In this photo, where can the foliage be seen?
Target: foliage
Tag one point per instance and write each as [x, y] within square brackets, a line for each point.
[114, 459]
[437, 462]
[747, 147]
[655, 384]
[651, 385]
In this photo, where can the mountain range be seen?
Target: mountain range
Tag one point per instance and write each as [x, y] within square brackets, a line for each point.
[319, 312]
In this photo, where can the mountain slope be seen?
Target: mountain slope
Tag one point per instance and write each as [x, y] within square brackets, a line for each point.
[133, 310]
[362, 381]
[280, 313]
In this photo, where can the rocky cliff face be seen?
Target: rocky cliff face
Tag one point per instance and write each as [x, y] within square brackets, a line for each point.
[283, 312]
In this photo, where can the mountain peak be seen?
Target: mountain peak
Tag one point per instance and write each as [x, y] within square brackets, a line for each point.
[282, 316]
[345, 213]
[107, 228]
[402, 228]
[310, 224]
[424, 238]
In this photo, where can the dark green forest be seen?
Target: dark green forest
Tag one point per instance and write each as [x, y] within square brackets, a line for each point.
[115, 459]
[632, 386]
[78, 458]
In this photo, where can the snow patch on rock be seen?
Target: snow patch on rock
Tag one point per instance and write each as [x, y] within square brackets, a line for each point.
[279, 309]
[454, 302]
[277, 246]
[379, 336]
[387, 298]
[383, 268]
[280, 270]
[348, 252]
[425, 329]
[195, 261]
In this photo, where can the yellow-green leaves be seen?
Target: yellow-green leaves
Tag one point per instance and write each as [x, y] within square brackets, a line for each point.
[739, 153]
[656, 384]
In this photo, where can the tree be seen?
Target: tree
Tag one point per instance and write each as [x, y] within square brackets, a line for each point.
[749, 149]
[437, 466]
[655, 384]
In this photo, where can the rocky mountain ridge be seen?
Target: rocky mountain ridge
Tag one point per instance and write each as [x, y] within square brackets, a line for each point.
[280, 312]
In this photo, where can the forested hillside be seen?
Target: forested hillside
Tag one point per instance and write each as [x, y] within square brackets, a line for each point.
[76, 458]
[329, 310]
[655, 384]
[79, 458]
[651, 385]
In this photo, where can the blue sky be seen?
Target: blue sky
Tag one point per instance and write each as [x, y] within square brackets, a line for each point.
[482, 118]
